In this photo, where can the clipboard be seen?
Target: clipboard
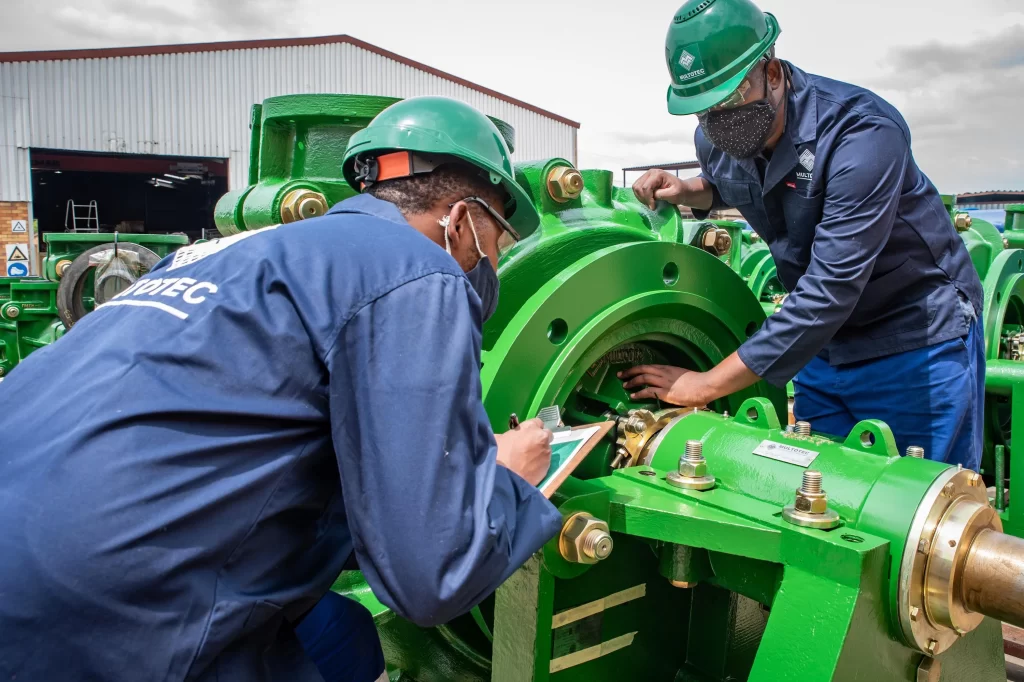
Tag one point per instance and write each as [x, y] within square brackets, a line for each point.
[568, 449]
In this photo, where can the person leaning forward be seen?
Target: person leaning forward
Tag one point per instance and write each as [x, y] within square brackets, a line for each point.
[883, 319]
[267, 405]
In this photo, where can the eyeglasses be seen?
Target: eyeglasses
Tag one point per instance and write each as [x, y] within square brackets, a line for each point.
[738, 96]
[509, 237]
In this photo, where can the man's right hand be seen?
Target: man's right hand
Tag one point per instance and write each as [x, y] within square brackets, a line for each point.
[658, 185]
[526, 450]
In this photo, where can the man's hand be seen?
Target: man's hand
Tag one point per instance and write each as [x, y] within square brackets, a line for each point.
[668, 384]
[685, 387]
[658, 185]
[526, 450]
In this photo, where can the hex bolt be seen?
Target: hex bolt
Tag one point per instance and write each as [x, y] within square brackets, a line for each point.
[914, 613]
[962, 222]
[803, 428]
[11, 312]
[723, 241]
[811, 484]
[300, 204]
[564, 184]
[584, 539]
[915, 451]
[810, 508]
[693, 469]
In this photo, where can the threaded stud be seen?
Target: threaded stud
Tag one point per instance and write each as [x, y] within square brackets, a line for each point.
[915, 451]
[803, 428]
[811, 484]
[694, 451]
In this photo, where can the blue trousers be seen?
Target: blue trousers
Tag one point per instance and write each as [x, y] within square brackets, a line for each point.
[932, 397]
[340, 637]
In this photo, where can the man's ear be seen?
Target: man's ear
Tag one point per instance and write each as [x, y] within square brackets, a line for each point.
[457, 226]
[775, 74]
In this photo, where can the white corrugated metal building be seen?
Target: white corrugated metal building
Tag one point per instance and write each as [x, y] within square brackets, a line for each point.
[126, 110]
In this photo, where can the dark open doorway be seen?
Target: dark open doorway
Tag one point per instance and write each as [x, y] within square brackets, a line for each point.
[132, 193]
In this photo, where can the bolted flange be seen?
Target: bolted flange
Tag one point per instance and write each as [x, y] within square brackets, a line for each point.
[693, 469]
[564, 184]
[585, 539]
[300, 204]
[810, 508]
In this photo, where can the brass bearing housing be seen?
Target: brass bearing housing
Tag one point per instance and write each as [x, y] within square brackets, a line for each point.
[946, 577]
[585, 539]
[565, 183]
[300, 204]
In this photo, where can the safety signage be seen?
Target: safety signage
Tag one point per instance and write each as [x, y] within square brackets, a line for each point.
[18, 226]
[17, 260]
[17, 269]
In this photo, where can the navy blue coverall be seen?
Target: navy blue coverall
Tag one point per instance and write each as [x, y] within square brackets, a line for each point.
[883, 316]
[185, 472]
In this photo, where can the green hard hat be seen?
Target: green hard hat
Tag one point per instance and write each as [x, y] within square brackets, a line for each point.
[442, 129]
[710, 47]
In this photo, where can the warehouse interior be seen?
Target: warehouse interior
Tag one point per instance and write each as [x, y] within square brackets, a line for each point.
[128, 193]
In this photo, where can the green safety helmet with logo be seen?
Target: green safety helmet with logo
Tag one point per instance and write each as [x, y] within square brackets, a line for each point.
[711, 46]
[420, 134]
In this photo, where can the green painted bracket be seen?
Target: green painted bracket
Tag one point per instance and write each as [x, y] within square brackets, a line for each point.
[874, 437]
[758, 412]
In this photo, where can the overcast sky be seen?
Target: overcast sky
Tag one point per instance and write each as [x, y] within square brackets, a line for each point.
[955, 69]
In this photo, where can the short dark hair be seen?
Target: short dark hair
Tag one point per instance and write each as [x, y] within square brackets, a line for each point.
[448, 183]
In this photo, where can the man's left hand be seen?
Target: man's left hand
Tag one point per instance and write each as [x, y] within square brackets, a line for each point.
[668, 384]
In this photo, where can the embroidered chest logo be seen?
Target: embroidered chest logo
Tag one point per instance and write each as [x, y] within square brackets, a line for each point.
[807, 160]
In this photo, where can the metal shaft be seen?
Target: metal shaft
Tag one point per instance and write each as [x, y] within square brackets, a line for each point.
[993, 577]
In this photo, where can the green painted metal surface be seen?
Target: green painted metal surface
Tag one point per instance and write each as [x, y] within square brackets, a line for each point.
[297, 142]
[1013, 229]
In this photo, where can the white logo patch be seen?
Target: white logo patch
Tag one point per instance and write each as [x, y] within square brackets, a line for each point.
[807, 160]
[197, 252]
[686, 59]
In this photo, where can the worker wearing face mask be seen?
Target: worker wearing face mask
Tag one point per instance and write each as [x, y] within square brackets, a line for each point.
[883, 319]
[258, 409]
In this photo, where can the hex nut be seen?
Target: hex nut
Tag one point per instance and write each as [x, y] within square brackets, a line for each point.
[723, 241]
[61, 267]
[300, 204]
[565, 183]
[813, 504]
[962, 222]
[584, 539]
[708, 239]
[11, 311]
[691, 470]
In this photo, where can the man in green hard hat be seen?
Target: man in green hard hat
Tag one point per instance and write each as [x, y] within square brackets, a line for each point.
[298, 395]
[883, 319]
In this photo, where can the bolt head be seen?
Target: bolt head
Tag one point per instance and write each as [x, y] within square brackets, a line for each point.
[11, 312]
[914, 613]
[691, 470]
[947, 490]
[61, 267]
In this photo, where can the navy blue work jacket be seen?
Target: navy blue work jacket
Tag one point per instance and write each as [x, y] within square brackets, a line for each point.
[859, 234]
[187, 470]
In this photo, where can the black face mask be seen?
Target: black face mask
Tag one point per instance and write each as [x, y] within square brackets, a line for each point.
[742, 132]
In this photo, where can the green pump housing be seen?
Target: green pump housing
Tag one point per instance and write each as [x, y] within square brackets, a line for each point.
[698, 545]
[36, 311]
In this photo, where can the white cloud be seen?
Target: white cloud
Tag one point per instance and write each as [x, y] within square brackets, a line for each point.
[602, 62]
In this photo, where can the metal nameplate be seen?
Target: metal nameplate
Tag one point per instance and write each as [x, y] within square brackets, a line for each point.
[785, 453]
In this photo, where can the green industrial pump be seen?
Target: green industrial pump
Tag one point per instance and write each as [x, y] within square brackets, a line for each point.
[36, 311]
[713, 544]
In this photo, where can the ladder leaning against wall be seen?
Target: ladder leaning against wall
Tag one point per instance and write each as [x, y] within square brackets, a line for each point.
[82, 217]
